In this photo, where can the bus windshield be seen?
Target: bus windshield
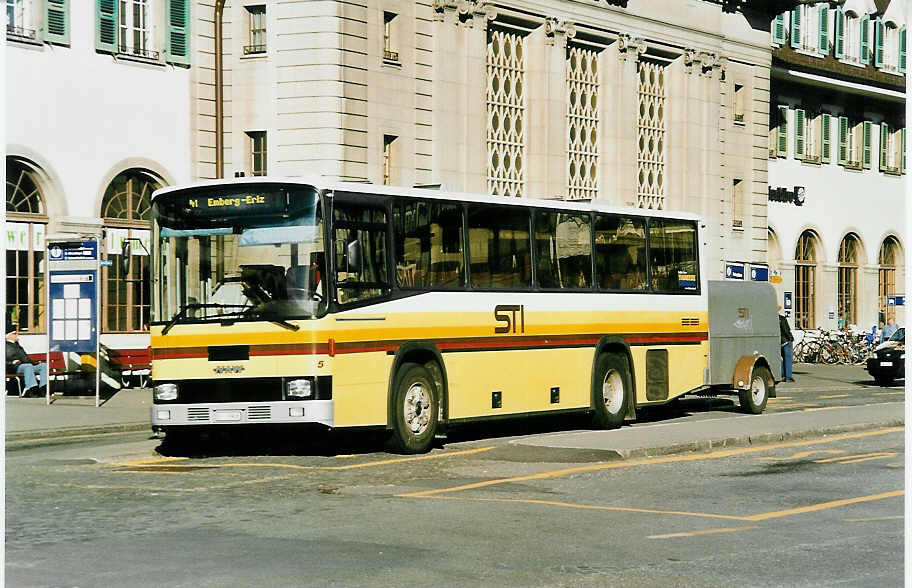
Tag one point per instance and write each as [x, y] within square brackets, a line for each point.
[238, 254]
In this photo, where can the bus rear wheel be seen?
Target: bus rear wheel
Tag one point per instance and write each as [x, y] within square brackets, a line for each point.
[415, 410]
[611, 392]
[753, 400]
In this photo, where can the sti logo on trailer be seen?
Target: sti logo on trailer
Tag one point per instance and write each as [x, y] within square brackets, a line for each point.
[508, 321]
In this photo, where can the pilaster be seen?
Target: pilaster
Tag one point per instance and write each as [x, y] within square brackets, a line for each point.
[619, 112]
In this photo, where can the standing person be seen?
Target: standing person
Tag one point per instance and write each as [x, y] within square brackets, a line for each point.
[889, 329]
[785, 339]
[18, 361]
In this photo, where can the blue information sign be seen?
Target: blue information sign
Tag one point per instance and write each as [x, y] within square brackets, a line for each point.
[759, 273]
[896, 300]
[82, 250]
[734, 271]
[73, 317]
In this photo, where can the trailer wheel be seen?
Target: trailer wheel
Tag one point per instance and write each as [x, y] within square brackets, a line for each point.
[611, 392]
[415, 410]
[753, 400]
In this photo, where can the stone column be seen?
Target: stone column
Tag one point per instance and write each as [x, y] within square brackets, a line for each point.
[618, 90]
[449, 136]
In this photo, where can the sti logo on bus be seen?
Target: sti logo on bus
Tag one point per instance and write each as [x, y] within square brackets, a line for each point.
[509, 320]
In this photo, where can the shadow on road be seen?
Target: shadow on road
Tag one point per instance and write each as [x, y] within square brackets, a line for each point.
[317, 441]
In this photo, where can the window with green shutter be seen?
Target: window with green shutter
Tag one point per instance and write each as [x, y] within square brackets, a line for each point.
[884, 145]
[839, 34]
[902, 50]
[843, 140]
[782, 132]
[878, 42]
[178, 14]
[864, 45]
[823, 29]
[799, 133]
[796, 27]
[106, 25]
[779, 29]
[866, 145]
[825, 138]
[57, 21]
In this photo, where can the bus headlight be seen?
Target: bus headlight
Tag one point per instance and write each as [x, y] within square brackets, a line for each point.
[301, 388]
[165, 392]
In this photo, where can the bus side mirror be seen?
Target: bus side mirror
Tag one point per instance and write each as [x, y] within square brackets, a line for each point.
[125, 258]
[353, 255]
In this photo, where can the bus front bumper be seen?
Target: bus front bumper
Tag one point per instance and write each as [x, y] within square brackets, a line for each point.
[243, 413]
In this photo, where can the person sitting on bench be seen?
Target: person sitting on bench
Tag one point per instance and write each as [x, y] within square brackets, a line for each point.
[18, 361]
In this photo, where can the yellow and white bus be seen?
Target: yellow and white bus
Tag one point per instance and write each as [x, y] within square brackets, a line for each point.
[352, 305]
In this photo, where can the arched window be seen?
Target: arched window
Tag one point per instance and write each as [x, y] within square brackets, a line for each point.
[886, 277]
[125, 209]
[26, 225]
[805, 281]
[847, 281]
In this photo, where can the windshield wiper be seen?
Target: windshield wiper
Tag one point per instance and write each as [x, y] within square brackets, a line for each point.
[196, 306]
[273, 317]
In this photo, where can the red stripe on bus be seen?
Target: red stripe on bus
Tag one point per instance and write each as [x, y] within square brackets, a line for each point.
[450, 344]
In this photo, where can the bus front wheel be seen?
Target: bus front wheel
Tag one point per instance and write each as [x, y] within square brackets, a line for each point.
[611, 393]
[415, 410]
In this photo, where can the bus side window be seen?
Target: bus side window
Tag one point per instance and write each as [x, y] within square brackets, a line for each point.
[428, 244]
[620, 244]
[366, 225]
[499, 247]
[673, 255]
[562, 250]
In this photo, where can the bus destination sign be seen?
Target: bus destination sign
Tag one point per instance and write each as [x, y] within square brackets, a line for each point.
[236, 203]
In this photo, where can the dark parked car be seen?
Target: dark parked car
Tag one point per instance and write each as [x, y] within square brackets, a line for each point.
[888, 360]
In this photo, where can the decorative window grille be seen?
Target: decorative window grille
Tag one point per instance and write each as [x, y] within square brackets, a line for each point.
[886, 276]
[506, 139]
[651, 136]
[846, 299]
[805, 281]
[24, 247]
[582, 123]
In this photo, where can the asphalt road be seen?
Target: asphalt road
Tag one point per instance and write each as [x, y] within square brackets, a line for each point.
[490, 507]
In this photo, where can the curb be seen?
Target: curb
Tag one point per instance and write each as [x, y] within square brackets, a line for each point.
[66, 435]
[706, 445]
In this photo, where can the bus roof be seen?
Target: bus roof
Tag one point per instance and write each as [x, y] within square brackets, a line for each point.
[430, 193]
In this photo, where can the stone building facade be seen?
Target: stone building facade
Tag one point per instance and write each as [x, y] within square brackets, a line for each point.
[649, 103]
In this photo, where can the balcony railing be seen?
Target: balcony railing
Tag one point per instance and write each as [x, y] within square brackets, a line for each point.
[811, 159]
[20, 33]
[390, 55]
[853, 165]
[739, 117]
[254, 49]
[137, 52]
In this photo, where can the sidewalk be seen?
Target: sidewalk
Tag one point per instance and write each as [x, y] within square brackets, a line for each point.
[31, 420]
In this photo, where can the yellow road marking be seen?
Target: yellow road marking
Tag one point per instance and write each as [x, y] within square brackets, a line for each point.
[151, 465]
[823, 506]
[752, 518]
[648, 461]
[888, 393]
[834, 396]
[896, 465]
[799, 405]
[870, 519]
[802, 454]
[780, 398]
[592, 507]
[856, 458]
[148, 461]
[408, 459]
[704, 532]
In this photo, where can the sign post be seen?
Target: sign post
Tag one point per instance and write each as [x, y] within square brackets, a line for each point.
[73, 300]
